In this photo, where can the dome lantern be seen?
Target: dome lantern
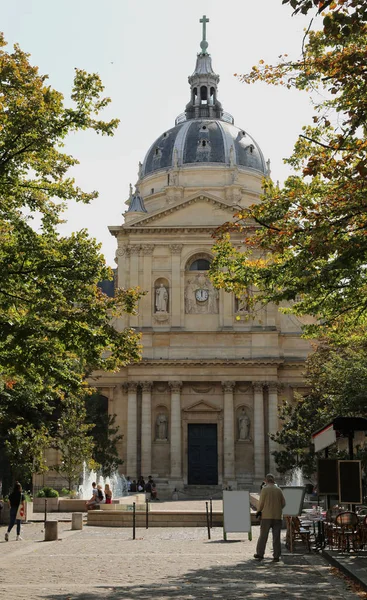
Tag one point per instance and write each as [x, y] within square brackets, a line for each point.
[204, 85]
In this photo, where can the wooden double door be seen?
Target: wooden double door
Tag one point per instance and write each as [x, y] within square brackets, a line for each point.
[202, 454]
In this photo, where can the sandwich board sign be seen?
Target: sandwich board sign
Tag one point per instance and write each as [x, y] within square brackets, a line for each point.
[236, 512]
[294, 496]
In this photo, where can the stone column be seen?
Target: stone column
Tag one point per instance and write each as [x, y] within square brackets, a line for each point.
[259, 439]
[176, 428]
[273, 422]
[175, 291]
[131, 437]
[228, 430]
[146, 428]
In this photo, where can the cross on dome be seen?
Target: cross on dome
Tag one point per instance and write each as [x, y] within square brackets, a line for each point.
[204, 43]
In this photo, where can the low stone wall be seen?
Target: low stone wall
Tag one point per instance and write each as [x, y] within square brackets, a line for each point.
[5, 513]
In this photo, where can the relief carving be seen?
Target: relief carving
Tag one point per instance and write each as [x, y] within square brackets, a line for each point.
[200, 296]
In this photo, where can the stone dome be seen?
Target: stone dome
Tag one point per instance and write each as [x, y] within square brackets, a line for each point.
[204, 140]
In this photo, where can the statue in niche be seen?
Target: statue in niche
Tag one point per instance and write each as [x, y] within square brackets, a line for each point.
[161, 427]
[161, 298]
[242, 304]
[244, 426]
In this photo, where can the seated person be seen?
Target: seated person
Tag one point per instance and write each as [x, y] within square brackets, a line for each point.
[90, 504]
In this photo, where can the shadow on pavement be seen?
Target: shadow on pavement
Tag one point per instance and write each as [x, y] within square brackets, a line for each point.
[292, 578]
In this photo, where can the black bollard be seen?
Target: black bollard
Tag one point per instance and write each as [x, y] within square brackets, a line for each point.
[45, 510]
[133, 520]
[146, 513]
[211, 513]
[207, 520]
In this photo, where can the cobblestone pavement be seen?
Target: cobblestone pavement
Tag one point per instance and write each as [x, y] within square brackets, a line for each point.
[161, 564]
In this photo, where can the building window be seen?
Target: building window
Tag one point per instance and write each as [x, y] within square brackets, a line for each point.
[200, 264]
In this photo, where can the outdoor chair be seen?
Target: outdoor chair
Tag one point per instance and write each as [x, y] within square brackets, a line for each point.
[347, 531]
[296, 532]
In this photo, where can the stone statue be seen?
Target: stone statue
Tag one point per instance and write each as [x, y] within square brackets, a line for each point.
[242, 304]
[244, 425]
[140, 171]
[130, 191]
[161, 299]
[213, 300]
[162, 427]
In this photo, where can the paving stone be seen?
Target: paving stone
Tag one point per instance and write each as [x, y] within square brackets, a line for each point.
[161, 564]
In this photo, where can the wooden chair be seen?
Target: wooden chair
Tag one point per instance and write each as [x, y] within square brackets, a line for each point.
[296, 532]
[347, 531]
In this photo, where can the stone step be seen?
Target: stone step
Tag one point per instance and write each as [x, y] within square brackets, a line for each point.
[156, 519]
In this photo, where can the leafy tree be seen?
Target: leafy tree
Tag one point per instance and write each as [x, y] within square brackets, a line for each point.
[104, 432]
[56, 326]
[306, 242]
[337, 377]
[73, 441]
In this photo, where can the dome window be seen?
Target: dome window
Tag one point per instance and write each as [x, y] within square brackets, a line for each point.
[164, 135]
[157, 152]
[252, 148]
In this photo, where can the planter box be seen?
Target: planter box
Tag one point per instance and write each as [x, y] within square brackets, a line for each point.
[39, 505]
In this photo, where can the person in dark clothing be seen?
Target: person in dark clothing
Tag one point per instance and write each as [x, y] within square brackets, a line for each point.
[133, 487]
[17, 508]
[151, 488]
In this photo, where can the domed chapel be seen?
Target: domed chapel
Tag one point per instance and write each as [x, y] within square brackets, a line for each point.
[198, 408]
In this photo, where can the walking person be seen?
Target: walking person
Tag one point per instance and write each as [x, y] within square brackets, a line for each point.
[270, 509]
[17, 510]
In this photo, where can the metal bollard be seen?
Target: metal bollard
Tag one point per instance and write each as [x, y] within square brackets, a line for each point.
[45, 519]
[146, 514]
[77, 521]
[211, 513]
[51, 531]
[134, 517]
[207, 520]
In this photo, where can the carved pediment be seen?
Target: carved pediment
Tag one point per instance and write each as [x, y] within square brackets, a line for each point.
[198, 210]
[202, 407]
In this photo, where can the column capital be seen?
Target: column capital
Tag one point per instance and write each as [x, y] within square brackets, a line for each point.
[273, 386]
[146, 385]
[175, 385]
[258, 386]
[130, 386]
[134, 249]
[147, 249]
[228, 386]
[176, 248]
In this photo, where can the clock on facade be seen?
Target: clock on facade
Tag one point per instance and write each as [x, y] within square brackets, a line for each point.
[201, 295]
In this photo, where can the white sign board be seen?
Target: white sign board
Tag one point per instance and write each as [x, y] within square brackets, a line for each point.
[294, 497]
[236, 511]
[324, 438]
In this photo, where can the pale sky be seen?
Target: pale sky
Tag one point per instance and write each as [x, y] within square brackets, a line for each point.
[144, 50]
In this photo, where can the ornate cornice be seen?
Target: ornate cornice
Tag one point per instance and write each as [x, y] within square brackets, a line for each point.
[210, 361]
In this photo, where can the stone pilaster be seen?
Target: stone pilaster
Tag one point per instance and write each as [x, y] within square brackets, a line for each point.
[146, 428]
[273, 422]
[147, 301]
[175, 435]
[131, 437]
[134, 252]
[176, 293]
[228, 430]
[259, 437]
